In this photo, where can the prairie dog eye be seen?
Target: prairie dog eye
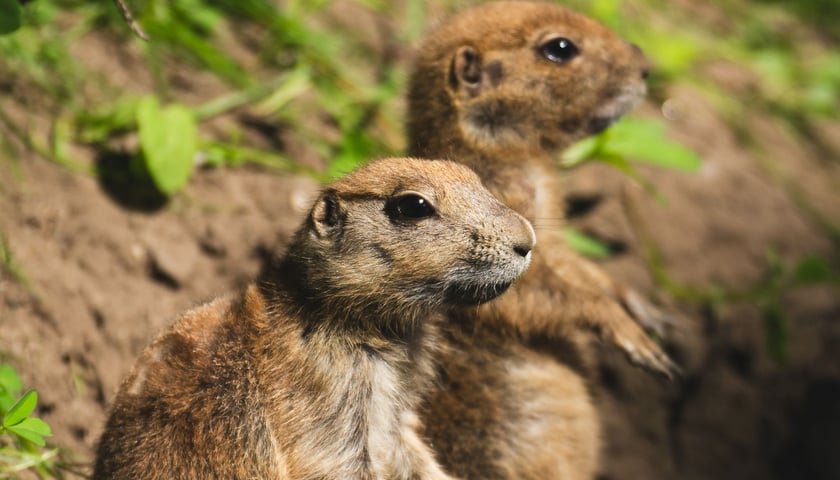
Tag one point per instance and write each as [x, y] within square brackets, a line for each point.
[559, 50]
[411, 206]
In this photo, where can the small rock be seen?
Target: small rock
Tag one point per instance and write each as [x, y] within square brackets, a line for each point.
[172, 254]
[211, 244]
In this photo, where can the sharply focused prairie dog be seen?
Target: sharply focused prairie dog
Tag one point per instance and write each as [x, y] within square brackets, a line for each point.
[316, 371]
[501, 88]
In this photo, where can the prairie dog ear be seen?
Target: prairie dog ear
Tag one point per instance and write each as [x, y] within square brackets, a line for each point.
[465, 71]
[327, 216]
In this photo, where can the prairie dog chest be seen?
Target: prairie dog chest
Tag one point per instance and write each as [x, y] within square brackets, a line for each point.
[533, 190]
[368, 411]
[546, 191]
[390, 401]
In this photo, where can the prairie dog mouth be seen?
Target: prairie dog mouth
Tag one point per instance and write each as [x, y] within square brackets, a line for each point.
[475, 294]
[599, 124]
[611, 111]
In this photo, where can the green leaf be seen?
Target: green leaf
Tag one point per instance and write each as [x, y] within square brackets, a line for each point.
[775, 264]
[32, 429]
[173, 28]
[619, 162]
[296, 83]
[827, 69]
[645, 141]
[216, 156]
[9, 16]
[204, 17]
[6, 401]
[607, 11]
[97, 125]
[776, 68]
[585, 244]
[9, 379]
[10, 387]
[812, 270]
[13, 460]
[21, 409]
[356, 148]
[673, 53]
[776, 333]
[821, 98]
[415, 20]
[581, 151]
[168, 143]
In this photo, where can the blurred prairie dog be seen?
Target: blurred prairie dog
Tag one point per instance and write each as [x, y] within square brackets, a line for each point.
[316, 371]
[502, 88]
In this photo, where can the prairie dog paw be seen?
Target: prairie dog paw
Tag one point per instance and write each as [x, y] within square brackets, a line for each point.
[644, 352]
[648, 316]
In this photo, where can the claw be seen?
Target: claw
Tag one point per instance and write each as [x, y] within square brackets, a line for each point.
[650, 356]
[652, 359]
[647, 315]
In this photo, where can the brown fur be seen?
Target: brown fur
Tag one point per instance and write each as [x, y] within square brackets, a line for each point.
[482, 93]
[316, 371]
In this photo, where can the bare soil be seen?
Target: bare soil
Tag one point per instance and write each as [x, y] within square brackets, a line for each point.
[102, 277]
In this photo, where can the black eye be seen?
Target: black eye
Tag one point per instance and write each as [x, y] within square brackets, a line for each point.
[412, 206]
[559, 50]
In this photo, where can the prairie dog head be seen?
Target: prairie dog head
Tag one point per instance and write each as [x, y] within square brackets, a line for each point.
[406, 236]
[522, 74]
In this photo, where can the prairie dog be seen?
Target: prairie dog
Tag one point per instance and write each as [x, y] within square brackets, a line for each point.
[316, 371]
[502, 87]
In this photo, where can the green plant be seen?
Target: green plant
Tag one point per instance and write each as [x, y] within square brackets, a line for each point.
[167, 143]
[630, 140]
[22, 435]
[318, 77]
[779, 279]
[9, 16]
[767, 294]
[585, 244]
[17, 420]
[633, 140]
[8, 263]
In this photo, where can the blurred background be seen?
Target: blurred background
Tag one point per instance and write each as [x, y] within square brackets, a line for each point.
[138, 179]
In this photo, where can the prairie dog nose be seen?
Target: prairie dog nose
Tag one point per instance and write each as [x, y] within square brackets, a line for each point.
[645, 70]
[522, 250]
[525, 237]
